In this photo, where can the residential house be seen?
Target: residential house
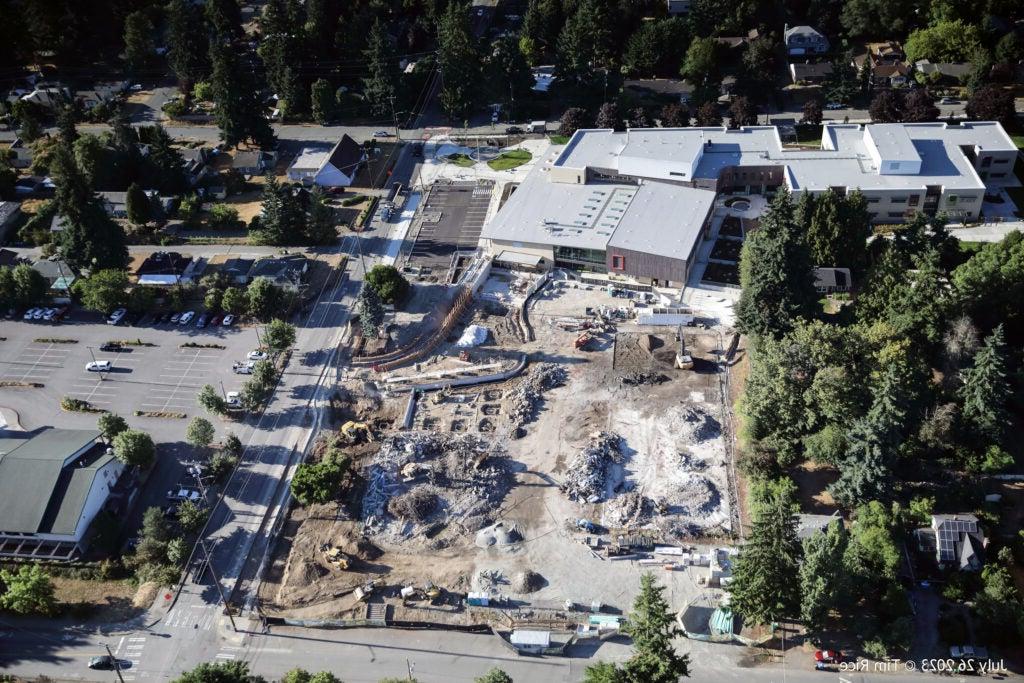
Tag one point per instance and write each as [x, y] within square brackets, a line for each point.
[677, 7]
[734, 42]
[543, 78]
[58, 275]
[101, 93]
[236, 270]
[832, 280]
[20, 155]
[197, 167]
[50, 97]
[195, 271]
[34, 186]
[10, 214]
[805, 40]
[284, 271]
[530, 641]
[53, 483]
[887, 62]
[253, 163]
[808, 525]
[943, 73]
[163, 268]
[337, 167]
[810, 74]
[956, 541]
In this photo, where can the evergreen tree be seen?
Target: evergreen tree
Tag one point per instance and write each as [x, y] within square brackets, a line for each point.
[985, 391]
[270, 226]
[29, 127]
[138, 205]
[381, 86]
[822, 575]
[458, 61]
[240, 111]
[652, 627]
[320, 222]
[187, 44]
[510, 75]
[540, 29]
[166, 163]
[225, 18]
[279, 42]
[838, 228]
[371, 312]
[585, 43]
[66, 131]
[864, 472]
[775, 273]
[139, 47]
[322, 101]
[763, 588]
[841, 84]
[296, 95]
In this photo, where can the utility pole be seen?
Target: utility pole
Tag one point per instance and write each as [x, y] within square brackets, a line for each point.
[216, 582]
[408, 667]
[222, 392]
[394, 117]
[117, 665]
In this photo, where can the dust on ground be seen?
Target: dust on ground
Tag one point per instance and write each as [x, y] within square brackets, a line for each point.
[482, 494]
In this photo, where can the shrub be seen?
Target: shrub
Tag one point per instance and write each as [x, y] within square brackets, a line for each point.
[223, 216]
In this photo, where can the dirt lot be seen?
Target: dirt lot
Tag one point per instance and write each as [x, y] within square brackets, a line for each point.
[490, 481]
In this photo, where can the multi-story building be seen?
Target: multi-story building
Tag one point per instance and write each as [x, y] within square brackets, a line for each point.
[637, 202]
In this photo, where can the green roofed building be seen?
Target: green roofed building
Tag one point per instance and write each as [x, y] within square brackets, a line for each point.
[53, 483]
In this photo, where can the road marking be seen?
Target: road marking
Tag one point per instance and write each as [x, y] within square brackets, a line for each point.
[225, 655]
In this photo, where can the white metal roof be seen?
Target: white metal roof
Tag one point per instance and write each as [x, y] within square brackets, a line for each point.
[536, 638]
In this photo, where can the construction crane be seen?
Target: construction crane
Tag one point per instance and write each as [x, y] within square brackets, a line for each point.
[684, 361]
[352, 430]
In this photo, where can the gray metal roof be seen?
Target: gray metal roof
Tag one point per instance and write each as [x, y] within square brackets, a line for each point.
[38, 493]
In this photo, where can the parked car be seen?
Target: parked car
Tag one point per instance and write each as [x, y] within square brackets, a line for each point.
[61, 311]
[382, 134]
[240, 368]
[175, 318]
[258, 354]
[98, 366]
[30, 313]
[834, 105]
[49, 313]
[215, 320]
[828, 656]
[949, 100]
[110, 346]
[38, 315]
[186, 317]
[117, 316]
[184, 493]
[228, 320]
[201, 321]
[513, 130]
[233, 400]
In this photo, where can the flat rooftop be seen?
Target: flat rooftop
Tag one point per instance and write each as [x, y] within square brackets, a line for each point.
[843, 160]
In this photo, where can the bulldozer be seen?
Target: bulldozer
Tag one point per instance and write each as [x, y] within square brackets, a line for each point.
[351, 431]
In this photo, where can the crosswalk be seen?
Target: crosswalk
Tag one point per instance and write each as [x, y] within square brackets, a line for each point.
[129, 653]
[196, 617]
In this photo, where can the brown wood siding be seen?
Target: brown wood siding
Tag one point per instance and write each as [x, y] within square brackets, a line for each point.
[641, 265]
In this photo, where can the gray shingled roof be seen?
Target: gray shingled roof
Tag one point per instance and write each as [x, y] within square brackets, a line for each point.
[38, 494]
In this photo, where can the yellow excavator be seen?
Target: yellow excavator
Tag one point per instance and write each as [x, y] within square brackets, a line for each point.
[352, 432]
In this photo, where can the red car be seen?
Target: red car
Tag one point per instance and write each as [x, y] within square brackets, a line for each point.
[828, 656]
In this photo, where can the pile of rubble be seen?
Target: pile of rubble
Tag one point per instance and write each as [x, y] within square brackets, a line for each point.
[638, 378]
[429, 479]
[522, 401]
[697, 425]
[588, 471]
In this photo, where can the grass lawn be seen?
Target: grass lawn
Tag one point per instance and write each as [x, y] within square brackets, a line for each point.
[1018, 139]
[510, 159]
[807, 135]
[461, 160]
[559, 139]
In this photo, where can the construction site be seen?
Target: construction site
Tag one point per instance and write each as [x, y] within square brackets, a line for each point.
[520, 456]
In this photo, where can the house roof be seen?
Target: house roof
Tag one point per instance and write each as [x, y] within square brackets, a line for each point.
[57, 272]
[289, 267]
[8, 257]
[803, 72]
[164, 263]
[956, 71]
[7, 210]
[804, 32]
[247, 159]
[346, 155]
[38, 493]
[890, 70]
[237, 266]
[832, 277]
[952, 533]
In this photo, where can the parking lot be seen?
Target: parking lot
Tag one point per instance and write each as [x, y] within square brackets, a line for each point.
[157, 376]
[451, 218]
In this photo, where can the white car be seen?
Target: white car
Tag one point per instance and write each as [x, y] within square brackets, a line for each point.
[949, 100]
[38, 315]
[257, 355]
[233, 400]
[834, 105]
[184, 494]
[49, 313]
[243, 368]
[186, 317]
[382, 134]
[98, 366]
[228, 320]
[117, 316]
[30, 313]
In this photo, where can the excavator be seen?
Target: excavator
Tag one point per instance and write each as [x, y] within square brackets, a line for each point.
[353, 432]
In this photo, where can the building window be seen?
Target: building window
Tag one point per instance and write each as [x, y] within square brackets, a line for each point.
[951, 200]
[986, 162]
[998, 175]
[872, 200]
[618, 262]
[895, 214]
[968, 200]
[914, 199]
[899, 200]
[1001, 161]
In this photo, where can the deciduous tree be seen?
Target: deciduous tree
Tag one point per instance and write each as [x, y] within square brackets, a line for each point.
[28, 591]
[389, 283]
[110, 425]
[134, 448]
